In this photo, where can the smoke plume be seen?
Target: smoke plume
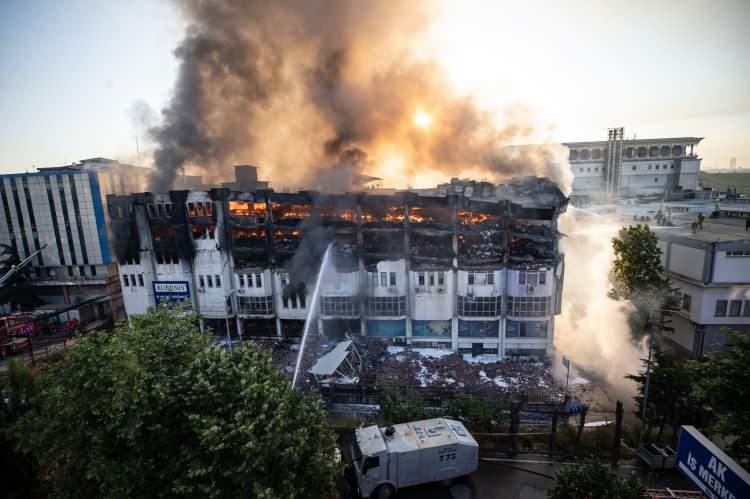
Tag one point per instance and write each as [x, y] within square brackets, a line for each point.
[322, 92]
[593, 330]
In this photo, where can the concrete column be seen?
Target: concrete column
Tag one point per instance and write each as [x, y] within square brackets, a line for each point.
[278, 327]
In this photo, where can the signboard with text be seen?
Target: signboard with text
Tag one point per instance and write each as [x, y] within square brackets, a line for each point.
[171, 290]
[717, 475]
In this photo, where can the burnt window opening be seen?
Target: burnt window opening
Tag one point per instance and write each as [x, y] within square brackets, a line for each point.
[438, 246]
[430, 216]
[209, 208]
[151, 211]
[168, 209]
[381, 243]
[289, 213]
[210, 281]
[160, 210]
[477, 218]
[191, 209]
[199, 210]
[336, 214]
[376, 215]
[249, 237]
[286, 240]
[203, 232]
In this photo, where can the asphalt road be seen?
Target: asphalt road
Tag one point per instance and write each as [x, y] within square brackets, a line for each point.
[523, 478]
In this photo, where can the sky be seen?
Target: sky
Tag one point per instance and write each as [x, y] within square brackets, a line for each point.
[75, 76]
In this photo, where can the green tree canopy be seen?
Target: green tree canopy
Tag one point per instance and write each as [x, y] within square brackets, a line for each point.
[637, 266]
[154, 411]
[593, 480]
[723, 384]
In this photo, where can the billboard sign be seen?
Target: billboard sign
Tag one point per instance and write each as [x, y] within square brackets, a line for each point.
[717, 475]
[171, 290]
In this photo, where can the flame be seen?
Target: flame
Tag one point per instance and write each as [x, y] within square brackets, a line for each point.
[253, 233]
[395, 214]
[245, 208]
[293, 211]
[474, 217]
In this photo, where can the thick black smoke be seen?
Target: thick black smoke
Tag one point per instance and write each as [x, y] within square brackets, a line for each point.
[320, 92]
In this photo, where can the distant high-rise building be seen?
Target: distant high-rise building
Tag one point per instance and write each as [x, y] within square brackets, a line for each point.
[64, 208]
[733, 164]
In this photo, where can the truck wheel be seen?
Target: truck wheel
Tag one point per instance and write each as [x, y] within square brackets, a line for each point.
[386, 491]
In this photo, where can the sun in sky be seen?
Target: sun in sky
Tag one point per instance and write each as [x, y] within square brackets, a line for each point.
[422, 119]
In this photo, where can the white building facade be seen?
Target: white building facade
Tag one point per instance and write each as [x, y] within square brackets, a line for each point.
[619, 168]
[62, 212]
[712, 271]
[480, 276]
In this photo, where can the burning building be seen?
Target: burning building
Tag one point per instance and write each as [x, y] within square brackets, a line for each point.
[473, 267]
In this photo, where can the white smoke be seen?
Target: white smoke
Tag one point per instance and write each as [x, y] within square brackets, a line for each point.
[593, 330]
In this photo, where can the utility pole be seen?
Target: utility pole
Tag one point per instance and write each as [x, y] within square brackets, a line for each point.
[644, 402]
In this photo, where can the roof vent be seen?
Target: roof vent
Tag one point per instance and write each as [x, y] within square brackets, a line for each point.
[390, 431]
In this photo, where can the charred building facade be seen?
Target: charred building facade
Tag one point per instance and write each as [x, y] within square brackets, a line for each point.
[468, 266]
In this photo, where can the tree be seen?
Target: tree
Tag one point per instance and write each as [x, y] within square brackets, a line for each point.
[637, 267]
[593, 480]
[155, 411]
[670, 400]
[723, 384]
[17, 478]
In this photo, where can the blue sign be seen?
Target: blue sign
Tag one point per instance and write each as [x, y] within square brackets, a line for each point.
[171, 290]
[718, 476]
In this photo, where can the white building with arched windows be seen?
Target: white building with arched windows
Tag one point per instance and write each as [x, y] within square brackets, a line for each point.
[619, 168]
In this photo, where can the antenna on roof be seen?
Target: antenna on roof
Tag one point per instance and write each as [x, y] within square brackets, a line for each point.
[137, 150]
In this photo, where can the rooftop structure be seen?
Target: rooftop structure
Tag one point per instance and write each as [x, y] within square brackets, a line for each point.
[476, 272]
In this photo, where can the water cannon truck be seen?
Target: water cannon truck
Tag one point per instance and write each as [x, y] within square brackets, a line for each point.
[386, 459]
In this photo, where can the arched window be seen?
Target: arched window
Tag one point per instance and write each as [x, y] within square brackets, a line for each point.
[629, 152]
[664, 151]
[585, 154]
[642, 152]
[653, 151]
[573, 155]
[677, 150]
[596, 154]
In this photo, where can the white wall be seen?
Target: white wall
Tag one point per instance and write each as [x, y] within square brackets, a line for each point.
[686, 261]
[731, 268]
[431, 303]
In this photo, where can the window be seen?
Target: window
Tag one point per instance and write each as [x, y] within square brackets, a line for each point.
[258, 281]
[302, 301]
[255, 305]
[386, 305]
[477, 329]
[649, 167]
[199, 209]
[733, 254]
[338, 305]
[218, 281]
[522, 278]
[735, 307]
[140, 280]
[132, 279]
[242, 280]
[531, 278]
[168, 209]
[384, 279]
[420, 278]
[283, 277]
[525, 329]
[209, 208]
[93, 270]
[191, 209]
[656, 179]
[479, 306]
[285, 301]
[125, 280]
[160, 210]
[293, 299]
[721, 308]
[746, 311]
[588, 170]
[441, 278]
[201, 281]
[432, 278]
[542, 277]
[634, 167]
[210, 281]
[151, 212]
[481, 278]
[528, 306]
[392, 278]
[686, 302]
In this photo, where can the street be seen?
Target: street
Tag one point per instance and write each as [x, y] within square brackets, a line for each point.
[523, 478]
